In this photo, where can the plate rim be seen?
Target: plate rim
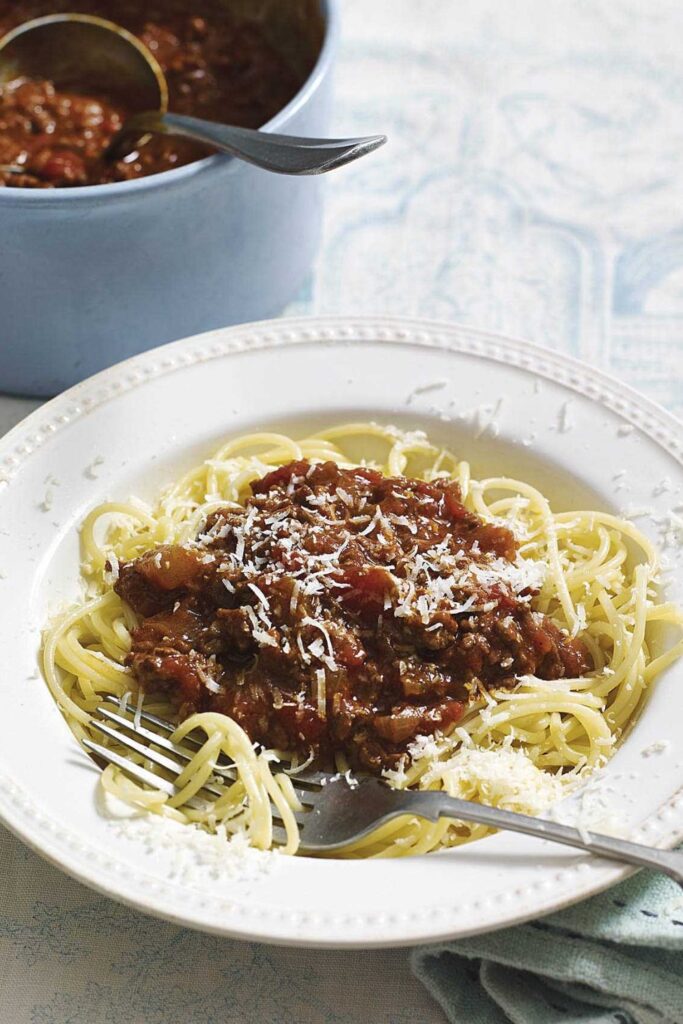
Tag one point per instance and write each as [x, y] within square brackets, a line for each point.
[549, 363]
[46, 837]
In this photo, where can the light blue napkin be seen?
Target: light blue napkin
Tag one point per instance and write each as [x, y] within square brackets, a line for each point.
[614, 959]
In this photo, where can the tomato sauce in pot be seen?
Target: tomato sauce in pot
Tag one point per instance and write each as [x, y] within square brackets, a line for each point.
[216, 67]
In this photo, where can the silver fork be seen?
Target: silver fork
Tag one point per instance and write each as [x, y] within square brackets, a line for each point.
[335, 812]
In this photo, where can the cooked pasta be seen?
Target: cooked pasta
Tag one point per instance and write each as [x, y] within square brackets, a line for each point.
[521, 747]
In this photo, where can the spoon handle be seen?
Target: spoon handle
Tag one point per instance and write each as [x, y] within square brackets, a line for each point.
[284, 154]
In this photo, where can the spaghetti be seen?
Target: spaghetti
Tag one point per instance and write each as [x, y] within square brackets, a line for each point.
[519, 746]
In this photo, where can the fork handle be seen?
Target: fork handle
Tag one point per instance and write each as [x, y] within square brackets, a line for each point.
[434, 805]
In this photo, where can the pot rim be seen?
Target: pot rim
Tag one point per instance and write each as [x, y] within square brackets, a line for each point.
[207, 166]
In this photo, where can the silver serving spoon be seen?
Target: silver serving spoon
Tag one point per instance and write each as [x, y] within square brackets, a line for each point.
[85, 54]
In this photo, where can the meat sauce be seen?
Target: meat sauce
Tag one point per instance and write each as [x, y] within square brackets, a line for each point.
[340, 610]
[216, 68]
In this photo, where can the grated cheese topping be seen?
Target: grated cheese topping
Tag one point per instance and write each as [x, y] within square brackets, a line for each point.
[259, 548]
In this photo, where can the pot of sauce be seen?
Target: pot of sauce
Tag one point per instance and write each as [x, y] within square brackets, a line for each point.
[103, 259]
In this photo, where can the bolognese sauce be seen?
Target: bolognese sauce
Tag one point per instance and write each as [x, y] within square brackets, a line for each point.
[216, 67]
[339, 610]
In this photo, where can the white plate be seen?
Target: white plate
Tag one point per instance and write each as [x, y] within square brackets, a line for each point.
[151, 416]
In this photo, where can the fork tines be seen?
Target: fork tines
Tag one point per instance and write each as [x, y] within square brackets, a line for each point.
[151, 758]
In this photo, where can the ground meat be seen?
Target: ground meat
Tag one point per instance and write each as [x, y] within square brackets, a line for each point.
[341, 611]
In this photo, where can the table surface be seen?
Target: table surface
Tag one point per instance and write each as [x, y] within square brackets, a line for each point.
[532, 186]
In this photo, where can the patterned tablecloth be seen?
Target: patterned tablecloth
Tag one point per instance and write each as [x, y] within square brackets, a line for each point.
[532, 185]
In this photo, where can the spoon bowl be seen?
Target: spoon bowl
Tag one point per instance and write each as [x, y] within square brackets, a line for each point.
[81, 53]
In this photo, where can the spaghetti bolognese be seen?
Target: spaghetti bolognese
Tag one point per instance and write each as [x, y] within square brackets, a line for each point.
[294, 605]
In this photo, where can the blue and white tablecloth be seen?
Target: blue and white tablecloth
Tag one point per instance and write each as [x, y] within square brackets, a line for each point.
[533, 184]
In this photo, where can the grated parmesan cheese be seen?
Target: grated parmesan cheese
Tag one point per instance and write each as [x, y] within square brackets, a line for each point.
[188, 854]
[658, 747]
[502, 777]
[564, 420]
[320, 692]
[91, 470]
[423, 389]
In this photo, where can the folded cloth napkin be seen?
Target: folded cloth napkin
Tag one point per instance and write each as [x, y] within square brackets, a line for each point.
[614, 959]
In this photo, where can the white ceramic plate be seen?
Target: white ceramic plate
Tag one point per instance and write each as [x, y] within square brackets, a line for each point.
[153, 415]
